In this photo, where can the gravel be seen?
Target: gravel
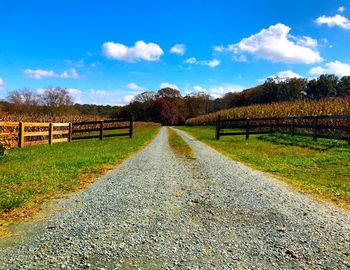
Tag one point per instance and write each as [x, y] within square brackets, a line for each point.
[157, 211]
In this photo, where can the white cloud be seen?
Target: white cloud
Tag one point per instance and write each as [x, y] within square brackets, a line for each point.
[336, 67]
[337, 20]
[287, 74]
[199, 88]
[241, 58]
[140, 51]
[191, 60]
[276, 44]
[128, 98]
[38, 74]
[134, 86]
[341, 9]
[76, 94]
[165, 85]
[305, 41]
[282, 76]
[178, 49]
[98, 93]
[218, 91]
[211, 63]
[72, 73]
[2, 83]
[219, 48]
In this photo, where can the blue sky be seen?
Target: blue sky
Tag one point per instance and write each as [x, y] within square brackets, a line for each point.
[105, 52]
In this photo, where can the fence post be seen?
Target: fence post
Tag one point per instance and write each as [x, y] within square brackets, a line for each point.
[101, 129]
[131, 126]
[70, 132]
[21, 135]
[247, 130]
[277, 124]
[50, 133]
[217, 132]
[314, 127]
[292, 126]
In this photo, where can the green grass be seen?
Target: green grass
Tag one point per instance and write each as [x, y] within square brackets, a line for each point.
[30, 175]
[319, 168]
[178, 145]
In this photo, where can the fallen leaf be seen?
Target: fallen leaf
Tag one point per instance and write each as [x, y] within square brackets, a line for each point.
[292, 253]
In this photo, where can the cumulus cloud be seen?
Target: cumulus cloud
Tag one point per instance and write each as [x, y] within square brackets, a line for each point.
[191, 60]
[337, 20]
[211, 63]
[341, 9]
[140, 51]
[199, 88]
[336, 67]
[38, 74]
[277, 45]
[282, 76]
[134, 86]
[219, 48]
[241, 58]
[218, 91]
[165, 85]
[305, 41]
[128, 98]
[76, 94]
[2, 83]
[287, 74]
[178, 49]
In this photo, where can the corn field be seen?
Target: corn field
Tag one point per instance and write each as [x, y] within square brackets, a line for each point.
[338, 106]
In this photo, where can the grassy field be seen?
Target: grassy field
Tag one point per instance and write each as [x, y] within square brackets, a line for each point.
[320, 168]
[31, 175]
[178, 145]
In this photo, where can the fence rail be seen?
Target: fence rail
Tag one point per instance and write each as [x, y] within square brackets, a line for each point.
[324, 126]
[28, 133]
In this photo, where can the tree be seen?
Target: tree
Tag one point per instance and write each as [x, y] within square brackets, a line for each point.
[145, 97]
[168, 92]
[324, 86]
[343, 88]
[166, 111]
[24, 100]
[56, 100]
[198, 103]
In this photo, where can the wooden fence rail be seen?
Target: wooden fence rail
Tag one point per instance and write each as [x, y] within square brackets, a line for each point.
[49, 133]
[325, 126]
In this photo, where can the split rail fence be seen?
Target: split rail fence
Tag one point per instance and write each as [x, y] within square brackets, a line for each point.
[326, 126]
[28, 133]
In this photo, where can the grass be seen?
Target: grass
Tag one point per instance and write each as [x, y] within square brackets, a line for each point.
[178, 145]
[321, 168]
[31, 175]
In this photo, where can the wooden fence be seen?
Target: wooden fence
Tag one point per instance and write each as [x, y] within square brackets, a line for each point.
[48, 133]
[326, 126]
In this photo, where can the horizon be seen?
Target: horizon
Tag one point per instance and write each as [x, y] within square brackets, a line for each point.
[106, 53]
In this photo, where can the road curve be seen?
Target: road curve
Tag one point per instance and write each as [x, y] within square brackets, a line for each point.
[158, 211]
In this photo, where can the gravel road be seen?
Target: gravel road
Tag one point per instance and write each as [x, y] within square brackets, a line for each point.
[157, 211]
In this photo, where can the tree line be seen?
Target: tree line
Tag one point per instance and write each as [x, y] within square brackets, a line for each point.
[54, 101]
[169, 107]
